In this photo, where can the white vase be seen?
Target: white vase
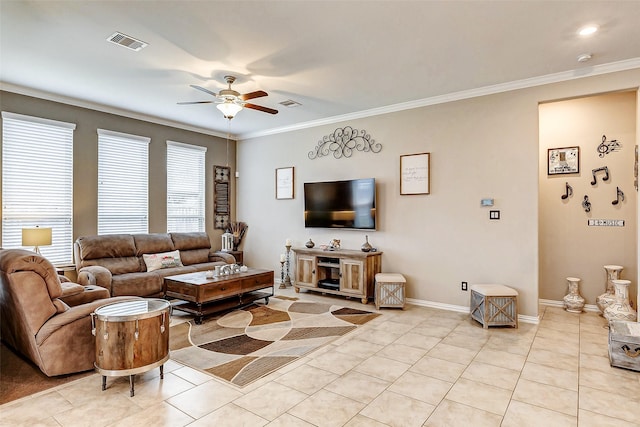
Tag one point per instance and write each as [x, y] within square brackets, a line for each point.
[573, 302]
[621, 308]
[608, 298]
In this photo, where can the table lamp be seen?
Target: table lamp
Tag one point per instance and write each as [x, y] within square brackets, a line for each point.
[36, 237]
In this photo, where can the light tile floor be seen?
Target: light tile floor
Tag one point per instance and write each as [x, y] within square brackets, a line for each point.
[412, 367]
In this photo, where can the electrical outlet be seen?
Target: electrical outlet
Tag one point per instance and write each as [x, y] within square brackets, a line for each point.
[464, 286]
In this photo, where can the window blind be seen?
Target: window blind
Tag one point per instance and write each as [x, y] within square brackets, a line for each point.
[185, 187]
[37, 182]
[123, 183]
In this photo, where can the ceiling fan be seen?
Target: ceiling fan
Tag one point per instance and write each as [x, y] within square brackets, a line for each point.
[230, 102]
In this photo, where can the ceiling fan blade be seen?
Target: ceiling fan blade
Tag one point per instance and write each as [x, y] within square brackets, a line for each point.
[204, 90]
[195, 102]
[251, 95]
[261, 108]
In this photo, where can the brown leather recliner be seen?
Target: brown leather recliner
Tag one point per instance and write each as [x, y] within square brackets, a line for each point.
[35, 322]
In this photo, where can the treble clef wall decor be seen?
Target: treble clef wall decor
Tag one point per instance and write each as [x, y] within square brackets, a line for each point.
[586, 204]
[343, 141]
[604, 169]
[607, 147]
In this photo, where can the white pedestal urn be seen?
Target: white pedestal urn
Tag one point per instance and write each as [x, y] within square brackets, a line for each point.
[620, 309]
[608, 298]
[573, 302]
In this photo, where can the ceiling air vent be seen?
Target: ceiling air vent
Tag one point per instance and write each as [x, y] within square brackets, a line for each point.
[127, 41]
[290, 103]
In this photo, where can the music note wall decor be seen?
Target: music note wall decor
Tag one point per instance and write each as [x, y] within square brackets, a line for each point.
[586, 204]
[607, 147]
[604, 169]
[619, 196]
[568, 191]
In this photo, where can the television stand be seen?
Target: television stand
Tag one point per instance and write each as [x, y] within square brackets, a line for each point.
[339, 272]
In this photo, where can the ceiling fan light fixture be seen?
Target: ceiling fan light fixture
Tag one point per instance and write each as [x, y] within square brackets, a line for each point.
[588, 30]
[229, 108]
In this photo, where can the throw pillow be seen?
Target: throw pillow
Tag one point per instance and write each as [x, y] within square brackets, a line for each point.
[162, 260]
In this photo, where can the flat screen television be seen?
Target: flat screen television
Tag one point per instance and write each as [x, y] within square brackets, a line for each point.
[340, 204]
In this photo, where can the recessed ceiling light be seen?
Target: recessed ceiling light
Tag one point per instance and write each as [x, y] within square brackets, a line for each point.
[588, 30]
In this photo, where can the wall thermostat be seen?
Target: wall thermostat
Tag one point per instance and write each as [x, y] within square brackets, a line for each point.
[486, 202]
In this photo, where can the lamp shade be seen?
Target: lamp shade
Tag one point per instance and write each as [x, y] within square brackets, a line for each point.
[229, 108]
[39, 236]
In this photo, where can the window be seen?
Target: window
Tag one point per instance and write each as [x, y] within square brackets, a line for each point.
[123, 183]
[185, 187]
[37, 182]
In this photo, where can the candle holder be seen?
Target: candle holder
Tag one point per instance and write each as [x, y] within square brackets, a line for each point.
[282, 285]
[287, 279]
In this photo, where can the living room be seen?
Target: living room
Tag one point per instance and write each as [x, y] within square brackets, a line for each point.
[483, 144]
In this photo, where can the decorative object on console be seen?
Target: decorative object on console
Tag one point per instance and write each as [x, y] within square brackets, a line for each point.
[415, 174]
[36, 237]
[334, 244]
[366, 247]
[563, 160]
[227, 242]
[621, 308]
[284, 183]
[606, 299]
[237, 229]
[619, 196]
[568, 191]
[287, 278]
[604, 169]
[221, 206]
[310, 243]
[607, 147]
[586, 204]
[573, 302]
[343, 141]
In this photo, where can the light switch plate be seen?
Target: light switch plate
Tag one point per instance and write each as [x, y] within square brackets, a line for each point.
[494, 214]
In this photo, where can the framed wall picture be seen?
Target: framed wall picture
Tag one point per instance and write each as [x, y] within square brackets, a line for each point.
[414, 173]
[221, 199]
[563, 160]
[284, 183]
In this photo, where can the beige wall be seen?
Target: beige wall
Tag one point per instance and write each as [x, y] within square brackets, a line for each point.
[85, 179]
[568, 247]
[481, 147]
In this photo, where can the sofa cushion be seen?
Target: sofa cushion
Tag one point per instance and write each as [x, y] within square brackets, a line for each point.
[153, 243]
[194, 256]
[162, 260]
[106, 246]
[117, 265]
[140, 284]
[186, 241]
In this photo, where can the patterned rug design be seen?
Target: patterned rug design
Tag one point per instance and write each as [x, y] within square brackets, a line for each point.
[247, 344]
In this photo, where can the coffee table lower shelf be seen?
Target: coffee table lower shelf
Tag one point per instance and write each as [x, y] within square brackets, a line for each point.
[212, 307]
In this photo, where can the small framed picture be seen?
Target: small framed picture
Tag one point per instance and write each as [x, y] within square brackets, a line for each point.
[563, 160]
[414, 173]
[284, 183]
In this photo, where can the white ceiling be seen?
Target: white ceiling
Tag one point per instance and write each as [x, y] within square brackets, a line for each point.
[339, 59]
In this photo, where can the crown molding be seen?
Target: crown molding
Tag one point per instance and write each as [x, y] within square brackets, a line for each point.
[21, 90]
[596, 70]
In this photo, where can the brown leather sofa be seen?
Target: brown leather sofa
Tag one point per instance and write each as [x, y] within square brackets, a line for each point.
[116, 261]
[36, 321]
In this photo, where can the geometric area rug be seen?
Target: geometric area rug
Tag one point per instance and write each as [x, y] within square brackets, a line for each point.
[247, 344]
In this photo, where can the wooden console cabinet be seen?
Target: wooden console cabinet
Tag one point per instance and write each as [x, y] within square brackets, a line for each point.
[341, 272]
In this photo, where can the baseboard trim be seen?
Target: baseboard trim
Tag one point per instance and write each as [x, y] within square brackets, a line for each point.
[554, 303]
[464, 309]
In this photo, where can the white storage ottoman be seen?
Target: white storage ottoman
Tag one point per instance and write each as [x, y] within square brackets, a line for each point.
[494, 305]
[390, 290]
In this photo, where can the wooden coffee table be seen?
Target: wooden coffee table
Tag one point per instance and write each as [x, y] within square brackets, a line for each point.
[201, 296]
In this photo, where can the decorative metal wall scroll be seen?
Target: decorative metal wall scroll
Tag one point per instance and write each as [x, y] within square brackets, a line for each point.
[343, 141]
[586, 204]
[619, 196]
[604, 169]
[221, 206]
[607, 147]
[568, 191]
